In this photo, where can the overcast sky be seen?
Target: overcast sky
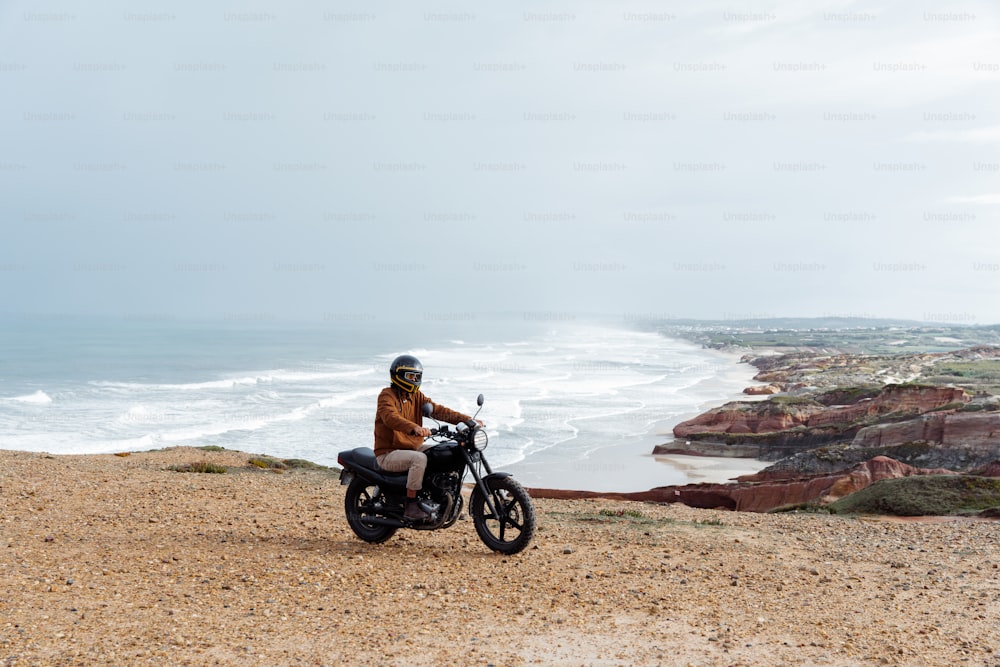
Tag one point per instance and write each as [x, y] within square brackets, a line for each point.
[321, 160]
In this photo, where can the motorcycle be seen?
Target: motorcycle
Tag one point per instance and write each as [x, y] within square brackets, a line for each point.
[501, 510]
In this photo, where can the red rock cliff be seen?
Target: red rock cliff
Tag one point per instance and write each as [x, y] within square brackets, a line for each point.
[779, 415]
[972, 430]
[751, 496]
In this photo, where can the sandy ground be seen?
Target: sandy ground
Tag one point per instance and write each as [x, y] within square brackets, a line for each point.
[110, 560]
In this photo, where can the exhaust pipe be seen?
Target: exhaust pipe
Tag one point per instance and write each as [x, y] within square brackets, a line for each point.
[382, 521]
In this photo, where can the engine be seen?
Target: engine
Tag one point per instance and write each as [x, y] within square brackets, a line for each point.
[446, 482]
[446, 488]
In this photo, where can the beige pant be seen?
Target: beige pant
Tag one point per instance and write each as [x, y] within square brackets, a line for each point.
[412, 461]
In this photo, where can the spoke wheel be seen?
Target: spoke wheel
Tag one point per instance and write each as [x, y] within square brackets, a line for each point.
[511, 528]
[362, 500]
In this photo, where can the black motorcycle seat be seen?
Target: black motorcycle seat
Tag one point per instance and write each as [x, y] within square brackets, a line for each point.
[364, 457]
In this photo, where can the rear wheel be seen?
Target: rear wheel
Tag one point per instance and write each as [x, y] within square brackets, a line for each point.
[363, 500]
[511, 526]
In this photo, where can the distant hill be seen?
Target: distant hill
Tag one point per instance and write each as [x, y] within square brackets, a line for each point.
[830, 334]
[811, 323]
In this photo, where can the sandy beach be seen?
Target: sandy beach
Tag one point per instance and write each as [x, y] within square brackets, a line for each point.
[630, 466]
[118, 560]
[711, 469]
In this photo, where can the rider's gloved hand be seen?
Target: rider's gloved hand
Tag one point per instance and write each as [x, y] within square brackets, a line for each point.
[422, 432]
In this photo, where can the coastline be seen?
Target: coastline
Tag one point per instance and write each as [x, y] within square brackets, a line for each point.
[296, 412]
[632, 467]
[712, 469]
[717, 469]
[737, 374]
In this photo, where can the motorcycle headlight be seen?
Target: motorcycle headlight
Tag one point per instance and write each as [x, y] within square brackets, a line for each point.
[479, 440]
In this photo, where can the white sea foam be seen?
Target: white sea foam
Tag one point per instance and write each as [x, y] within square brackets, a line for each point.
[265, 377]
[553, 402]
[37, 398]
[348, 397]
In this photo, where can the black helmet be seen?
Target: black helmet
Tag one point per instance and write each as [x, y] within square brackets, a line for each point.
[406, 372]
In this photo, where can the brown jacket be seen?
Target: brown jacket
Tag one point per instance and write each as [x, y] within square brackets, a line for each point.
[397, 416]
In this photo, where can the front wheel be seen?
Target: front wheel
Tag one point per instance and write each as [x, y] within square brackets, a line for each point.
[511, 526]
[364, 499]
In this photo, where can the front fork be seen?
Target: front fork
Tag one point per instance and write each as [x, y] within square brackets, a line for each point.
[481, 483]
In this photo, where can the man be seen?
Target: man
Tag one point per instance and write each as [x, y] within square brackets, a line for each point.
[399, 431]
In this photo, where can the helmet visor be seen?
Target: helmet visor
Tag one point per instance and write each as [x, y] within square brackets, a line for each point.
[413, 376]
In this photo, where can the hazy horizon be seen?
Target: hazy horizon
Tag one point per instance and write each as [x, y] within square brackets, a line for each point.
[339, 162]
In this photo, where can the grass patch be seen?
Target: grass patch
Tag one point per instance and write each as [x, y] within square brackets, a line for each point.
[848, 395]
[782, 399]
[957, 405]
[983, 370]
[211, 448]
[909, 385]
[635, 514]
[202, 466]
[930, 495]
[302, 464]
[277, 465]
[811, 507]
[708, 522]
[266, 463]
[622, 517]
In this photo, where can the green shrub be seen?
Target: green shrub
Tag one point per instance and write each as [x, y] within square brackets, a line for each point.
[957, 405]
[202, 466]
[925, 495]
[302, 464]
[267, 463]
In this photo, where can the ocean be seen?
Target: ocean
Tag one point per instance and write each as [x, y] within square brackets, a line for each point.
[569, 404]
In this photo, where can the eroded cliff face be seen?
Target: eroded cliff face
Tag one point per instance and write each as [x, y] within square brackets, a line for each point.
[971, 429]
[748, 417]
[762, 493]
[815, 422]
[844, 428]
[957, 441]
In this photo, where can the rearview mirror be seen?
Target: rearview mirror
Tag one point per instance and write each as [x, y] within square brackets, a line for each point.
[428, 409]
[479, 400]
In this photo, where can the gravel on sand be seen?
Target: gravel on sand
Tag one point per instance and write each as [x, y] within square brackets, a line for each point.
[118, 560]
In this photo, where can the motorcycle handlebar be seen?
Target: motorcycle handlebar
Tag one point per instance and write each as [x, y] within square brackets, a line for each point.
[446, 432]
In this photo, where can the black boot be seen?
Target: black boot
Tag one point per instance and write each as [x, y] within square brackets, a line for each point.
[414, 512]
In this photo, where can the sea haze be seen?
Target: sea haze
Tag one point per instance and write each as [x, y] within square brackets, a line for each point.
[568, 404]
